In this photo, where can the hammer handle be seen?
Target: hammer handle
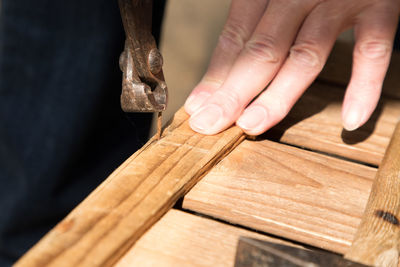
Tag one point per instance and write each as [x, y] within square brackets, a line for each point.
[377, 239]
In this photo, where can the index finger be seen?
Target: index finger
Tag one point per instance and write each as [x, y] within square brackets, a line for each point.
[243, 18]
[255, 66]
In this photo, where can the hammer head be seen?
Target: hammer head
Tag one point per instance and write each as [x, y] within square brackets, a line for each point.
[143, 85]
[256, 253]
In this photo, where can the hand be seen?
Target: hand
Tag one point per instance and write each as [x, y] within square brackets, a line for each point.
[282, 45]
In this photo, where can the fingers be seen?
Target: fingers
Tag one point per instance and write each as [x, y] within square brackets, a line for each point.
[306, 59]
[375, 30]
[243, 18]
[254, 68]
[255, 54]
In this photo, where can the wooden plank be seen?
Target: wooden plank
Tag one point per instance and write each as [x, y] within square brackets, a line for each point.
[183, 239]
[315, 123]
[377, 239]
[286, 191]
[338, 68]
[105, 225]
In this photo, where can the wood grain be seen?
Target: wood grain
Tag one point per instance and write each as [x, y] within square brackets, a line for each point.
[183, 239]
[105, 225]
[338, 68]
[286, 191]
[315, 123]
[378, 236]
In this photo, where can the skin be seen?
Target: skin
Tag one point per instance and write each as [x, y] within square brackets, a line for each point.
[281, 46]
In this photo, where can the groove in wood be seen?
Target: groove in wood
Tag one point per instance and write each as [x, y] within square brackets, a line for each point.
[105, 225]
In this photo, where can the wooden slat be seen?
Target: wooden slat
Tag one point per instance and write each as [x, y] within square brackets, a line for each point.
[286, 191]
[183, 239]
[315, 123]
[105, 225]
[338, 68]
[376, 242]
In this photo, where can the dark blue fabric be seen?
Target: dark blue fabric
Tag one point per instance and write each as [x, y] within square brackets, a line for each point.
[396, 45]
[61, 127]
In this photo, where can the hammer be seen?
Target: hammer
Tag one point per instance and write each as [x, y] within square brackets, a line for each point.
[376, 242]
[143, 84]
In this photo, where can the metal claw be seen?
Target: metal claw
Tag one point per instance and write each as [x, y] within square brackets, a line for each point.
[143, 85]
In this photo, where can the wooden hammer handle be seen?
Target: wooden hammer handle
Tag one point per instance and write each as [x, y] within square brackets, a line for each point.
[377, 239]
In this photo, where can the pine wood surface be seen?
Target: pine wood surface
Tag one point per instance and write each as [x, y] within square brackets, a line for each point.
[286, 191]
[338, 68]
[106, 224]
[378, 237]
[315, 123]
[183, 239]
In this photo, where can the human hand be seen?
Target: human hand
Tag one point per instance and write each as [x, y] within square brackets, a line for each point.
[284, 44]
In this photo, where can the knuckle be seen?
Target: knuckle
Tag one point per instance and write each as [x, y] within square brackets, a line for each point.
[232, 36]
[229, 101]
[374, 49]
[306, 55]
[213, 80]
[263, 48]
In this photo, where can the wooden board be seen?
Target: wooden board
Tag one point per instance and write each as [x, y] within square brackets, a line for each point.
[376, 242]
[105, 225]
[338, 68]
[286, 191]
[183, 239]
[299, 195]
[315, 123]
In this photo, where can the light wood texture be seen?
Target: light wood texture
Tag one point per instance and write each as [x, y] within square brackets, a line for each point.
[338, 68]
[286, 191]
[105, 225]
[315, 123]
[183, 239]
[378, 237]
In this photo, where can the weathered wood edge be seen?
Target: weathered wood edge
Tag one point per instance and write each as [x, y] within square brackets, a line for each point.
[377, 239]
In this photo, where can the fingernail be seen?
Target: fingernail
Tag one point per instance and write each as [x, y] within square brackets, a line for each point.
[252, 118]
[352, 119]
[194, 102]
[206, 119]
